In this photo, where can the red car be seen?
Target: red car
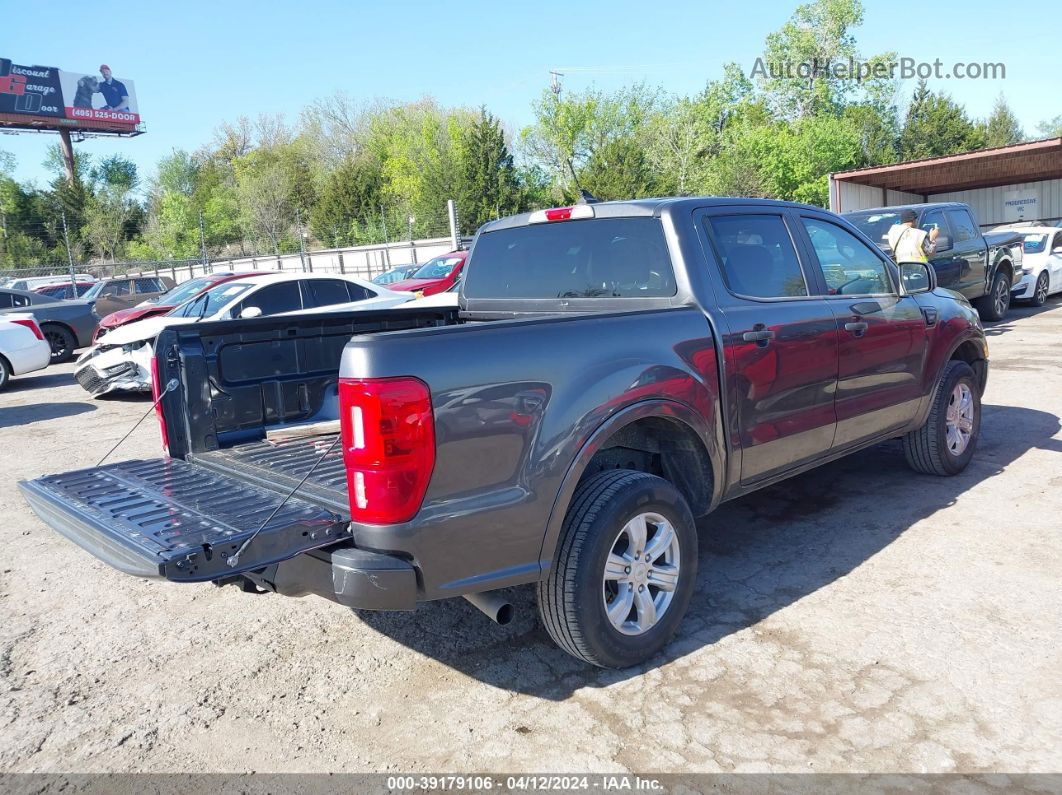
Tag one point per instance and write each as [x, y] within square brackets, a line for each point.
[185, 291]
[435, 276]
[64, 290]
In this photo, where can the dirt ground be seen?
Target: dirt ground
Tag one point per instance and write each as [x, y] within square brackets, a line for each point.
[857, 618]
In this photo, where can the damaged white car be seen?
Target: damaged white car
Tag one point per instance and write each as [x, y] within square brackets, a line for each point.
[121, 361]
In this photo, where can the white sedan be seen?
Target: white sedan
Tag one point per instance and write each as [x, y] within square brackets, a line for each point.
[121, 361]
[1041, 265]
[23, 349]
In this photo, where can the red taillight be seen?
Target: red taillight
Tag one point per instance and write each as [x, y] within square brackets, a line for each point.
[156, 391]
[388, 446]
[32, 326]
[559, 214]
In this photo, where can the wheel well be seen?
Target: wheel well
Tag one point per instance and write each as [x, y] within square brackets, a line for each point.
[969, 352]
[1006, 265]
[59, 324]
[663, 447]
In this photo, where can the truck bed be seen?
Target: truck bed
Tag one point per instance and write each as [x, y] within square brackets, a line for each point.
[279, 466]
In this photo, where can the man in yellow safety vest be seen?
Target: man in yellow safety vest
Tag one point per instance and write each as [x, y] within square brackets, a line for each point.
[908, 242]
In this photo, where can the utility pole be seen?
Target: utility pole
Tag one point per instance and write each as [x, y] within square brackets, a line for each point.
[69, 254]
[202, 244]
[451, 211]
[387, 239]
[412, 247]
[302, 239]
[66, 146]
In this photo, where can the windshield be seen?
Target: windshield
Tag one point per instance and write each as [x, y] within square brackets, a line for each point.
[438, 268]
[94, 290]
[605, 258]
[212, 301]
[183, 291]
[1035, 244]
[876, 226]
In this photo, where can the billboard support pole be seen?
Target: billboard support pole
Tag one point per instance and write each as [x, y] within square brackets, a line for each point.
[66, 145]
[69, 254]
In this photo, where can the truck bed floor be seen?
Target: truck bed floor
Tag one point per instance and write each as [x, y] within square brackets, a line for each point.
[280, 466]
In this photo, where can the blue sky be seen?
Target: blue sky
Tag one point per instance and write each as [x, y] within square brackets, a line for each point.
[197, 64]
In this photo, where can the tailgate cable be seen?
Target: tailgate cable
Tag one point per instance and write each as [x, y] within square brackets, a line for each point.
[171, 385]
[234, 558]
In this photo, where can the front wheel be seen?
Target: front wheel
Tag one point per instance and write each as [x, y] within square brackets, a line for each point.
[995, 304]
[1039, 297]
[61, 341]
[946, 443]
[624, 571]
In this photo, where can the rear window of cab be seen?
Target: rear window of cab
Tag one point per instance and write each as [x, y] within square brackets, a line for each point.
[598, 258]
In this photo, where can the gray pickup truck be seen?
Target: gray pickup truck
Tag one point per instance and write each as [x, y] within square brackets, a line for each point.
[612, 371]
[982, 267]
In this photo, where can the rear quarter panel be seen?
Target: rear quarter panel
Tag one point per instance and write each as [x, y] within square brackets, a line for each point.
[515, 402]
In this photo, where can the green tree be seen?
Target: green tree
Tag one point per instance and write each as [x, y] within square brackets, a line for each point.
[489, 187]
[619, 169]
[1051, 128]
[1002, 127]
[351, 194]
[935, 125]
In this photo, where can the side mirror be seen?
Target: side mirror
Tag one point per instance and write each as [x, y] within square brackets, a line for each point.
[249, 312]
[1057, 250]
[943, 243]
[917, 277]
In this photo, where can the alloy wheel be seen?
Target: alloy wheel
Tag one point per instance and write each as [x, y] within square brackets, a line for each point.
[1041, 289]
[959, 419]
[641, 574]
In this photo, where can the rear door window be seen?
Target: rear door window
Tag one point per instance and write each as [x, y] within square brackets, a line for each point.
[758, 256]
[274, 299]
[326, 292]
[599, 258]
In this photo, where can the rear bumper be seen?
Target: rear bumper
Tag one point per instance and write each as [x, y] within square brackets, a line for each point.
[35, 356]
[352, 577]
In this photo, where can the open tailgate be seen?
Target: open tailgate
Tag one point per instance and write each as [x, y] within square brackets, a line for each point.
[171, 519]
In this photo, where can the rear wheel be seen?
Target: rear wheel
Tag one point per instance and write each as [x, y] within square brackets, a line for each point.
[1039, 296]
[5, 373]
[61, 341]
[946, 443]
[624, 572]
[995, 304]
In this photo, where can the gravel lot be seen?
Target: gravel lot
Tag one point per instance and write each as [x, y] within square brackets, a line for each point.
[857, 618]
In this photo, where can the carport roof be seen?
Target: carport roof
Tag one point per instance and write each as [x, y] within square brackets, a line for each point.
[984, 168]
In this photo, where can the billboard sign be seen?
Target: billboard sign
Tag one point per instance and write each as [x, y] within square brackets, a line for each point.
[41, 93]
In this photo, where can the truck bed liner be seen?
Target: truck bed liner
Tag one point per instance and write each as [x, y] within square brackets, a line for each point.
[279, 466]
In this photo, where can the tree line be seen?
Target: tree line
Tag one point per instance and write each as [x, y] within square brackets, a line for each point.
[348, 172]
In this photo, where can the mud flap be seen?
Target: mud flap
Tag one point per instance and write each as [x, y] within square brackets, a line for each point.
[170, 519]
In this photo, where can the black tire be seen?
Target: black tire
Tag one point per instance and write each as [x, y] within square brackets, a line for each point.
[995, 304]
[5, 373]
[571, 601]
[1039, 296]
[927, 449]
[62, 342]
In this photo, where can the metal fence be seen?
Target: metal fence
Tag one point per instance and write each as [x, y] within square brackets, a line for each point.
[365, 262]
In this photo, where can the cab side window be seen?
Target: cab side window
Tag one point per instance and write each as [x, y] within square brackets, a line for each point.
[849, 266]
[148, 285]
[758, 256]
[963, 226]
[934, 219]
[117, 288]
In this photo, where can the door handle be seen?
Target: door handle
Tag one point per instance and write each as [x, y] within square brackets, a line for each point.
[761, 336]
[858, 328]
[930, 314]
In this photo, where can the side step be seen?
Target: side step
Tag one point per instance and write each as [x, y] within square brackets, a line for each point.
[170, 519]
